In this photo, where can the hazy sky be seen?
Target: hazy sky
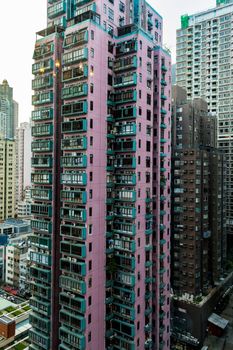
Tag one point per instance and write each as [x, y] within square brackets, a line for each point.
[20, 20]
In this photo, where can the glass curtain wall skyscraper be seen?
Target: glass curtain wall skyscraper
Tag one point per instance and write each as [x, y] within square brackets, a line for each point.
[101, 178]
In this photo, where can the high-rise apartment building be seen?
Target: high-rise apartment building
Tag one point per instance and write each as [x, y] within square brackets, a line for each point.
[7, 179]
[204, 68]
[23, 156]
[199, 239]
[101, 179]
[8, 111]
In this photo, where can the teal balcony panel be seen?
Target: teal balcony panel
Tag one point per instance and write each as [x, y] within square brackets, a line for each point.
[39, 338]
[72, 284]
[74, 91]
[76, 73]
[126, 196]
[74, 178]
[124, 310]
[73, 302]
[125, 278]
[148, 311]
[42, 146]
[124, 228]
[72, 320]
[41, 225]
[41, 209]
[74, 339]
[42, 82]
[163, 111]
[163, 126]
[125, 212]
[42, 114]
[71, 196]
[128, 79]
[125, 63]
[40, 242]
[125, 146]
[163, 82]
[125, 96]
[40, 130]
[163, 170]
[163, 155]
[42, 275]
[40, 306]
[57, 9]
[164, 68]
[78, 161]
[162, 140]
[43, 50]
[125, 328]
[76, 250]
[74, 143]
[148, 247]
[76, 214]
[162, 227]
[74, 109]
[149, 231]
[41, 178]
[75, 268]
[148, 263]
[128, 47]
[41, 258]
[77, 38]
[124, 294]
[128, 112]
[42, 98]
[41, 193]
[124, 245]
[42, 66]
[162, 241]
[162, 212]
[126, 179]
[125, 261]
[164, 97]
[73, 231]
[162, 256]
[128, 129]
[42, 162]
[75, 56]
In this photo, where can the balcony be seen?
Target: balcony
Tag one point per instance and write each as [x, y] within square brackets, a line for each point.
[163, 111]
[125, 212]
[126, 47]
[42, 162]
[41, 130]
[164, 68]
[125, 245]
[163, 82]
[40, 306]
[74, 91]
[41, 178]
[74, 339]
[163, 140]
[163, 126]
[42, 82]
[72, 284]
[128, 112]
[41, 194]
[125, 96]
[124, 294]
[72, 320]
[163, 97]
[42, 146]
[125, 228]
[42, 114]
[73, 231]
[71, 249]
[125, 163]
[75, 268]
[41, 209]
[39, 339]
[125, 328]
[124, 261]
[74, 143]
[40, 242]
[75, 73]
[128, 79]
[125, 146]
[41, 225]
[71, 196]
[41, 259]
[126, 195]
[77, 38]
[74, 109]
[57, 9]
[74, 126]
[126, 129]
[43, 50]
[78, 161]
[125, 63]
[39, 322]
[74, 178]
[39, 274]
[42, 98]
[126, 179]
[42, 66]
[73, 214]
[76, 56]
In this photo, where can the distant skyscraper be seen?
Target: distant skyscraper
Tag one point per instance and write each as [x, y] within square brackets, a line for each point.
[101, 179]
[23, 157]
[198, 207]
[8, 111]
[7, 179]
[204, 66]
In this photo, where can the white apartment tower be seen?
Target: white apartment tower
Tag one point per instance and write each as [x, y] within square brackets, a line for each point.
[205, 69]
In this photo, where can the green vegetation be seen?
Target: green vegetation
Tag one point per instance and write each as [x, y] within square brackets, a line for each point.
[20, 346]
[26, 308]
[10, 309]
[17, 313]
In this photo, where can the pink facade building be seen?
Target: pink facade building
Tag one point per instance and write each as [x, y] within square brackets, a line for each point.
[101, 179]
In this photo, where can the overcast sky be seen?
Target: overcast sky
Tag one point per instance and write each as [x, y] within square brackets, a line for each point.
[20, 20]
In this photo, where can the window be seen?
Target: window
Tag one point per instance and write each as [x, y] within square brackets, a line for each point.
[90, 211]
[91, 123]
[105, 8]
[121, 6]
[89, 300]
[90, 265]
[91, 88]
[92, 34]
[110, 14]
[91, 105]
[91, 176]
[89, 318]
[89, 337]
[91, 140]
[91, 194]
[90, 247]
[92, 52]
[91, 158]
[90, 229]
